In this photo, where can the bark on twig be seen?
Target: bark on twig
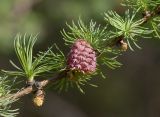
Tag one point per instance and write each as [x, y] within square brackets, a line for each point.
[38, 84]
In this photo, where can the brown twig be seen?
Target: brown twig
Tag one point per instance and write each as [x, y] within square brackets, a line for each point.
[37, 85]
[23, 92]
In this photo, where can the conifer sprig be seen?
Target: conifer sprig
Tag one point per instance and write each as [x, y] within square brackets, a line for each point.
[98, 37]
[142, 4]
[93, 47]
[150, 10]
[33, 66]
[128, 27]
[93, 33]
[6, 87]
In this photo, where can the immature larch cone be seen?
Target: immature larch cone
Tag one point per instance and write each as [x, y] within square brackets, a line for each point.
[82, 57]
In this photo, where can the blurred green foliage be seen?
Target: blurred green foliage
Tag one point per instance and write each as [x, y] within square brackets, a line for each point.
[39, 16]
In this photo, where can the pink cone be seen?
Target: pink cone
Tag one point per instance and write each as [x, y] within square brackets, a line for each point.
[82, 57]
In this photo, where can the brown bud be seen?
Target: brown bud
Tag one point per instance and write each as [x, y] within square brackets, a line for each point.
[147, 15]
[38, 99]
[123, 45]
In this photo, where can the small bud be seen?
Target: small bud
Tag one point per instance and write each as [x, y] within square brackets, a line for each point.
[38, 100]
[147, 15]
[123, 45]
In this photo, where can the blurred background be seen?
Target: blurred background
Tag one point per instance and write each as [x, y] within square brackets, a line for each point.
[131, 91]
